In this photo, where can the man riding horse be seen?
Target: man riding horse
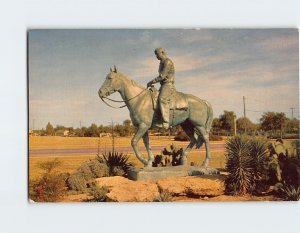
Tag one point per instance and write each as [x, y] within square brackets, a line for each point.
[166, 78]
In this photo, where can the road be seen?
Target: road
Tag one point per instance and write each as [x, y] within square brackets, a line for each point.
[93, 151]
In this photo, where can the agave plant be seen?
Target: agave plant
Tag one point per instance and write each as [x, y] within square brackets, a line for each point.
[116, 162]
[290, 192]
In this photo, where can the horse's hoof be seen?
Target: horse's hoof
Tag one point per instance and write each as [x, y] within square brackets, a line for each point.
[205, 164]
[183, 160]
[149, 164]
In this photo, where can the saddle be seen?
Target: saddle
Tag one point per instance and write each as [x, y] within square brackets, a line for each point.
[177, 101]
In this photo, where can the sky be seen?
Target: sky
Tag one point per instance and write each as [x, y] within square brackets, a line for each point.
[67, 68]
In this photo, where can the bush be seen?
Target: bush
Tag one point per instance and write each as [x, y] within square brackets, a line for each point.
[76, 181]
[246, 164]
[86, 173]
[98, 193]
[117, 163]
[164, 196]
[51, 186]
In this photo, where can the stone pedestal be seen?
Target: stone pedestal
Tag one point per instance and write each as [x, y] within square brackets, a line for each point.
[155, 173]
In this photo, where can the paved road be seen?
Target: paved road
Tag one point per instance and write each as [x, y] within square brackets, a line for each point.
[92, 151]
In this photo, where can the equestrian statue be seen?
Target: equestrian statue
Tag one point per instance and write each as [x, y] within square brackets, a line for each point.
[150, 108]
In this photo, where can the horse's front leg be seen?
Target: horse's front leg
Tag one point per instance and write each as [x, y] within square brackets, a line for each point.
[142, 129]
[148, 148]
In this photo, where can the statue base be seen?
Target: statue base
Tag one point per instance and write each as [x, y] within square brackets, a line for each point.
[155, 173]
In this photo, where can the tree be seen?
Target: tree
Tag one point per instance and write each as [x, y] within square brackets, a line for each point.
[49, 129]
[216, 126]
[92, 131]
[243, 124]
[60, 127]
[227, 121]
[127, 127]
[292, 125]
[271, 121]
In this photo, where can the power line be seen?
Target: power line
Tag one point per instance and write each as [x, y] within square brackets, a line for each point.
[264, 111]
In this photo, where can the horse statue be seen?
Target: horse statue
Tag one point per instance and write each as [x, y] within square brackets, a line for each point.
[195, 119]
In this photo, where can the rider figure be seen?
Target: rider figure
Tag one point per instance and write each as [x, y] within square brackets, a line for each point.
[166, 78]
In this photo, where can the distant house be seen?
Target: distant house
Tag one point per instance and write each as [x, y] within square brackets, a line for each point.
[105, 135]
[63, 133]
[32, 132]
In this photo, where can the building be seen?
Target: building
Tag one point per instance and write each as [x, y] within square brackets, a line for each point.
[63, 133]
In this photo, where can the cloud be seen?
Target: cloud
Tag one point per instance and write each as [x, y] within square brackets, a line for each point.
[148, 67]
[282, 42]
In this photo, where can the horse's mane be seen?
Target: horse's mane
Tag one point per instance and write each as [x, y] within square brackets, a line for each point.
[134, 83]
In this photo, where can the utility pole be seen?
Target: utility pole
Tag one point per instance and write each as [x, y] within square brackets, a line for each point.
[80, 124]
[292, 112]
[244, 101]
[32, 125]
[234, 125]
[113, 136]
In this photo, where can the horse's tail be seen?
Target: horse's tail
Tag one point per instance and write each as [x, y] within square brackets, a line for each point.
[210, 116]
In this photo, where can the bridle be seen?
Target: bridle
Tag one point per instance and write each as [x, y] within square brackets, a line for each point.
[120, 101]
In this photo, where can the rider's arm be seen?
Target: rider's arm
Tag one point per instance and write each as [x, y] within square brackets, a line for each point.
[163, 74]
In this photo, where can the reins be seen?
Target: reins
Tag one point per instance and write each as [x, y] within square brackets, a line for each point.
[120, 101]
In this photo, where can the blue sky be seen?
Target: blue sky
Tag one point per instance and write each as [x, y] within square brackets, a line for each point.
[67, 68]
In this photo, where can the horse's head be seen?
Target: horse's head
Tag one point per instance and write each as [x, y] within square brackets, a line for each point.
[111, 84]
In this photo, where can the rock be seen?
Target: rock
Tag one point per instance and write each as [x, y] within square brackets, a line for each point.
[124, 190]
[205, 185]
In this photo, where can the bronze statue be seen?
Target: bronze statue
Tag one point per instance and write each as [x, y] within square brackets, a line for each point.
[166, 78]
[193, 114]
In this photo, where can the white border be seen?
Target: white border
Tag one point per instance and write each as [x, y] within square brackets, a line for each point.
[18, 216]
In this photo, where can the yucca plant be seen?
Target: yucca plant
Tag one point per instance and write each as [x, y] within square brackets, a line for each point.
[246, 164]
[239, 165]
[290, 192]
[259, 154]
[117, 161]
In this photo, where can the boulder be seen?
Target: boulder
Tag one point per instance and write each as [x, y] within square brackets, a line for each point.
[205, 185]
[124, 190]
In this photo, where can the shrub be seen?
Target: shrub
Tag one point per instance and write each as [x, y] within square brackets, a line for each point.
[246, 164]
[117, 163]
[51, 186]
[86, 173]
[164, 196]
[98, 193]
[76, 181]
